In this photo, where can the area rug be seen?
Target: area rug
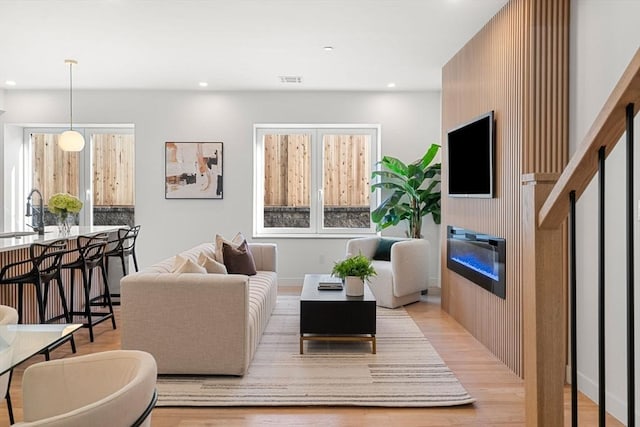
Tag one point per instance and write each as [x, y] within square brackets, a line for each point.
[405, 372]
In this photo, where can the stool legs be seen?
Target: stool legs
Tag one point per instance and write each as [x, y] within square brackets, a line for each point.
[42, 304]
[86, 284]
[63, 299]
[135, 259]
[66, 313]
[107, 294]
[20, 301]
[42, 299]
[92, 318]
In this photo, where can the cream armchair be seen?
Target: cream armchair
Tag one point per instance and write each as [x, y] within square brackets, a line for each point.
[400, 280]
[109, 389]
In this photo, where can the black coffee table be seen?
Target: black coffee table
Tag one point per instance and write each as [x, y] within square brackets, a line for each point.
[331, 315]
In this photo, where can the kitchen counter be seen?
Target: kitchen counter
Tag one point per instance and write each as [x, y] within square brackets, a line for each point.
[51, 233]
[17, 248]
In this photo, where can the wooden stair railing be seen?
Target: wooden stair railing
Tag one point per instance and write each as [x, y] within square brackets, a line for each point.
[541, 314]
[606, 131]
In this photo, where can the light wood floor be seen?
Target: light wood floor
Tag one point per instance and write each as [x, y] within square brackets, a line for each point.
[499, 393]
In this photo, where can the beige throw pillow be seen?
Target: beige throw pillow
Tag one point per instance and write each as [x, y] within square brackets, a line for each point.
[210, 250]
[211, 265]
[177, 262]
[189, 266]
[235, 242]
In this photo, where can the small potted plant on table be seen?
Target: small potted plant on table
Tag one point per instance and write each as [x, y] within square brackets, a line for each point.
[354, 271]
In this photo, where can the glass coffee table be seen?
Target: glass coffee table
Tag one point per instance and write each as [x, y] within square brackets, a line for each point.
[331, 315]
[20, 342]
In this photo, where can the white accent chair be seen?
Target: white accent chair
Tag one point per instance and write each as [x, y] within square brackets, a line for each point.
[109, 389]
[401, 280]
[8, 316]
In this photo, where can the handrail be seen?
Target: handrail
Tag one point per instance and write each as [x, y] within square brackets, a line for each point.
[606, 131]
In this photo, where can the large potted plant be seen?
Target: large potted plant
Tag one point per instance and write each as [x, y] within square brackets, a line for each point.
[354, 271]
[415, 192]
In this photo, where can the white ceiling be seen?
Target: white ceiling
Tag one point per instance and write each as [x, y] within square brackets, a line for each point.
[234, 44]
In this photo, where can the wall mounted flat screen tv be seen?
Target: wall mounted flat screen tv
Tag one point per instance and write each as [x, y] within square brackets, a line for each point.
[470, 148]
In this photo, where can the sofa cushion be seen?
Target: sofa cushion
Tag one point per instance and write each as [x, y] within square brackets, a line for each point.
[383, 251]
[189, 266]
[220, 240]
[177, 262]
[209, 250]
[211, 265]
[238, 260]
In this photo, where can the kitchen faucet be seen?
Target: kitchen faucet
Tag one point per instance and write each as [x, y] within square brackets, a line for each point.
[39, 224]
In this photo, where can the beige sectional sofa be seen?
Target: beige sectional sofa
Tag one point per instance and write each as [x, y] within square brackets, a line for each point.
[194, 323]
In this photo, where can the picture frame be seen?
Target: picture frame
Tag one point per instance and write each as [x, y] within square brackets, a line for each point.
[193, 170]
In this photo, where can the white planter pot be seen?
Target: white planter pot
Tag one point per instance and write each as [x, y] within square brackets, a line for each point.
[354, 286]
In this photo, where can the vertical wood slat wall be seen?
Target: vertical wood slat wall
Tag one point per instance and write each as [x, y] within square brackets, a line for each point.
[517, 66]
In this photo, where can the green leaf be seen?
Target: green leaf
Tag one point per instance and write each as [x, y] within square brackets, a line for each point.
[388, 204]
[394, 165]
[415, 190]
[429, 156]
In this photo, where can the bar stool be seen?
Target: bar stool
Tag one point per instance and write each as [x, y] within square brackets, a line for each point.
[42, 267]
[90, 251]
[123, 246]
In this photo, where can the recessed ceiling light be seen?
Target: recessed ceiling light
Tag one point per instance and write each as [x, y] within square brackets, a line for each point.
[328, 48]
[391, 84]
[10, 83]
[203, 84]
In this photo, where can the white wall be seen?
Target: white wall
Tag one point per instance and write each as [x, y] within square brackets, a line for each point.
[604, 36]
[13, 182]
[410, 122]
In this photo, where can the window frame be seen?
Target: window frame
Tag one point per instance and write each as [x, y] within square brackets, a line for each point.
[85, 184]
[316, 227]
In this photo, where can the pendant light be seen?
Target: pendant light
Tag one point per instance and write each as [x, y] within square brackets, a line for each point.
[71, 140]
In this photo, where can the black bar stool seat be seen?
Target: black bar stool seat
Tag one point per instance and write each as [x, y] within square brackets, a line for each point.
[90, 252]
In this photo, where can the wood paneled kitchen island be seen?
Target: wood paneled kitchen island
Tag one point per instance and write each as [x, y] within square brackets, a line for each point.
[16, 248]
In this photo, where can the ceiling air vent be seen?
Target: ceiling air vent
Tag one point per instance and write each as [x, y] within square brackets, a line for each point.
[290, 79]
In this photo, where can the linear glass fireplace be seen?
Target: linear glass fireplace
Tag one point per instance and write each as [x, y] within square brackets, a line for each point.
[478, 257]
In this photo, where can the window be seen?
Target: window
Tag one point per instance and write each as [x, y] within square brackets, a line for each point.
[101, 175]
[314, 180]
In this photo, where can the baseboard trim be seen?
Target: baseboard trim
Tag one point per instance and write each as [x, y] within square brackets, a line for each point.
[434, 290]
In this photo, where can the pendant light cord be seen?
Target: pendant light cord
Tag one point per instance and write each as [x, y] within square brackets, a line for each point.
[71, 140]
[70, 62]
[70, 96]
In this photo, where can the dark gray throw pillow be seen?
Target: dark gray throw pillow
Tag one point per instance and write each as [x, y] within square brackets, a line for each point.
[238, 260]
[383, 251]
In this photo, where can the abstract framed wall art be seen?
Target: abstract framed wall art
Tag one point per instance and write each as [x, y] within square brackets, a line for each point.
[193, 170]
